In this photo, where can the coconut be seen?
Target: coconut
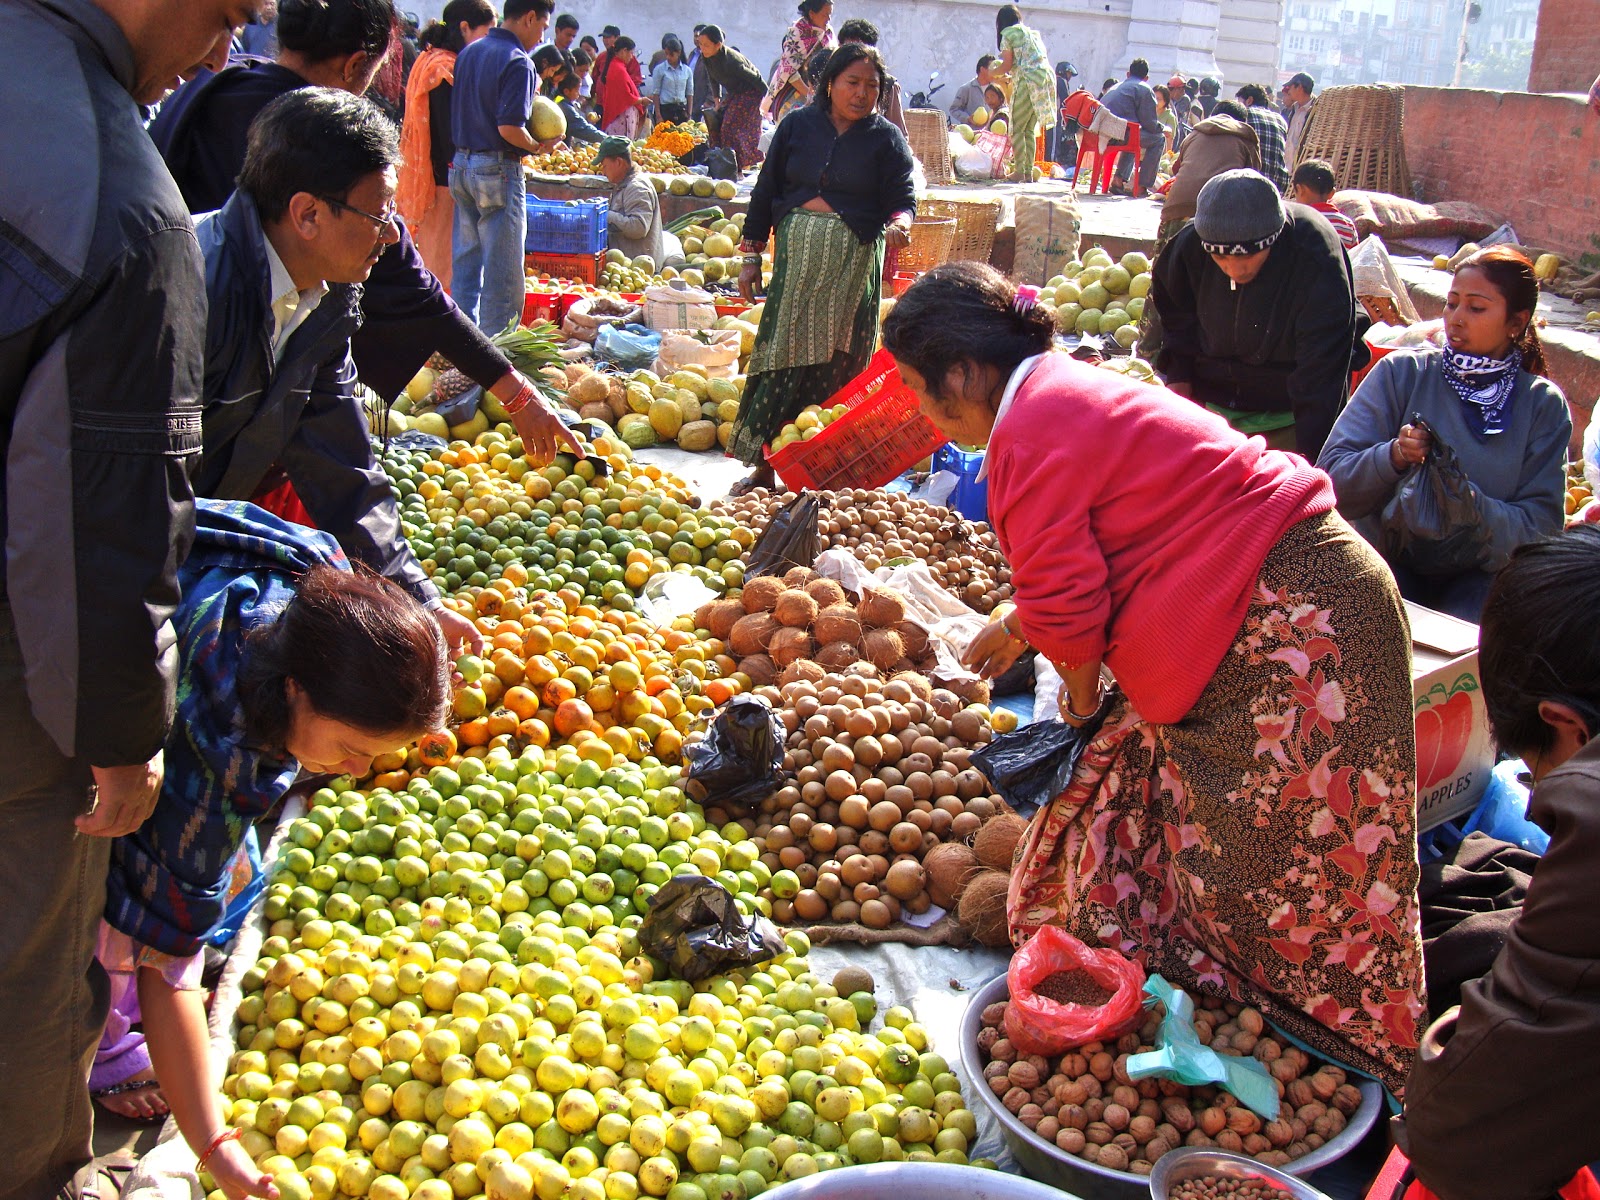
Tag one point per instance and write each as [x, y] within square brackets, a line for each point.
[798, 577]
[838, 623]
[881, 608]
[789, 645]
[836, 656]
[982, 911]
[996, 843]
[801, 670]
[919, 685]
[825, 592]
[795, 609]
[722, 617]
[761, 669]
[761, 594]
[882, 647]
[915, 638]
[702, 615]
[750, 634]
[950, 866]
[592, 388]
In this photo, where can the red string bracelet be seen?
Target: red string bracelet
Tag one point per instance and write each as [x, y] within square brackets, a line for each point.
[521, 400]
[227, 1135]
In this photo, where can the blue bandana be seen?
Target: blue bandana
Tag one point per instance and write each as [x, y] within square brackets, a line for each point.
[1485, 386]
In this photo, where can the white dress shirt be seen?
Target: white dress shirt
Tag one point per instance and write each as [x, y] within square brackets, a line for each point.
[290, 305]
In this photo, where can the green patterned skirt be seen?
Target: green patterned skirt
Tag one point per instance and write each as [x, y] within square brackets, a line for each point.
[817, 331]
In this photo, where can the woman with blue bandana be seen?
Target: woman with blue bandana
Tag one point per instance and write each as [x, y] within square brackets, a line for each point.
[1484, 396]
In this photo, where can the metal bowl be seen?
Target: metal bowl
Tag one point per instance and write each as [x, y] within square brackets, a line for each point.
[925, 1181]
[1193, 1162]
[1046, 1162]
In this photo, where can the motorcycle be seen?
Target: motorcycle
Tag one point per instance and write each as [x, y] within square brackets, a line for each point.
[925, 99]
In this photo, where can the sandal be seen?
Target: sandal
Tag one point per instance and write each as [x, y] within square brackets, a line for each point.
[750, 483]
[131, 1087]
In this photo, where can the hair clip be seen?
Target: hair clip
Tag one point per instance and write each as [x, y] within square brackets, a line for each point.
[1027, 296]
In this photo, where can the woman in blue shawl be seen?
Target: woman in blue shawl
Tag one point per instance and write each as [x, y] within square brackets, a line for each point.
[289, 661]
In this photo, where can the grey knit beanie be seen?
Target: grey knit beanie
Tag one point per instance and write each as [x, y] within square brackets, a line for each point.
[1239, 212]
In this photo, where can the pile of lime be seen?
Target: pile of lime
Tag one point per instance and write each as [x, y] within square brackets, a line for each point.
[452, 1002]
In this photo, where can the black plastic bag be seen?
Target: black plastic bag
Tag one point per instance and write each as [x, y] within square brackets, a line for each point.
[789, 540]
[721, 163]
[740, 762]
[1032, 766]
[696, 929]
[1433, 524]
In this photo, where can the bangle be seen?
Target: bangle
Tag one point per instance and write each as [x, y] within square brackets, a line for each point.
[752, 260]
[1099, 699]
[524, 397]
[215, 1144]
[1005, 623]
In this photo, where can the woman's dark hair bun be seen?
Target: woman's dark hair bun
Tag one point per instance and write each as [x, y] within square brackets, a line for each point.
[961, 315]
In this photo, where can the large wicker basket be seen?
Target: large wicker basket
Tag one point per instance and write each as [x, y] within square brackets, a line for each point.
[975, 225]
[929, 136]
[1359, 131]
[931, 239]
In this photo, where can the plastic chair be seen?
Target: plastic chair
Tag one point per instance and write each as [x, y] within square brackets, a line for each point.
[1100, 154]
[1109, 161]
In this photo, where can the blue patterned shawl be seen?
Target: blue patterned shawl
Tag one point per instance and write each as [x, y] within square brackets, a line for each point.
[168, 882]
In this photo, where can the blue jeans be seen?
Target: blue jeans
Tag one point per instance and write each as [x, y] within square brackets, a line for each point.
[487, 247]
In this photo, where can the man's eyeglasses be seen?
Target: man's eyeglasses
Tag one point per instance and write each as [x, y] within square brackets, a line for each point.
[388, 217]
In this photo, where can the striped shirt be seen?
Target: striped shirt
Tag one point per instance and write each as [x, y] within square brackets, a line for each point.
[1342, 225]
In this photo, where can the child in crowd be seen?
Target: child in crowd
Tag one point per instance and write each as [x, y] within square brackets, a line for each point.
[1313, 185]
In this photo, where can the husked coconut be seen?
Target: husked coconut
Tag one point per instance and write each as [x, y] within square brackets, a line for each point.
[881, 608]
[825, 592]
[838, 623]
[795, 609]
[751, 634]
[789, 645]
[761, 594]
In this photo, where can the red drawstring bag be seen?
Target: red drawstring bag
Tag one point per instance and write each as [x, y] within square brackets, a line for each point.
[1037, 1024]
[1397, 1182]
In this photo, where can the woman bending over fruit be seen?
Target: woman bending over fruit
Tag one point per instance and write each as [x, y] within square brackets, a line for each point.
[1243, 820]
[288, 661]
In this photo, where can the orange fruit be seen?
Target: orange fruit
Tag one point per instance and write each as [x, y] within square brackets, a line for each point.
[474, 732]
[558, 692]
[534, 732]
[523, 701]
[571, 716]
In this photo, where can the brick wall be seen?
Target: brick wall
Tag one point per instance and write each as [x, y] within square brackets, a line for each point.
[1533, 160]
[1566, 47]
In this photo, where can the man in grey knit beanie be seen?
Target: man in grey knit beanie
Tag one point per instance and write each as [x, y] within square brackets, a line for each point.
[1259, 313]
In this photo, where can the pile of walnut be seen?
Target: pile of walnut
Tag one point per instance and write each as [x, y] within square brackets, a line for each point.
[1085, 1104]
[880, 527]
[876, 823]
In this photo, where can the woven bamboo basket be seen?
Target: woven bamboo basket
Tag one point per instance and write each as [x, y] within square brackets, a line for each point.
[1359, 131]
[975, 224]
[931, 239]
[930, 142]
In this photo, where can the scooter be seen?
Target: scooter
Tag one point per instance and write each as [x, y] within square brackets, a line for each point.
[925, 99]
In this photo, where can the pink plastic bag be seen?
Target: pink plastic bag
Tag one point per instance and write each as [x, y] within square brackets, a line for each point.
[1036, 1024]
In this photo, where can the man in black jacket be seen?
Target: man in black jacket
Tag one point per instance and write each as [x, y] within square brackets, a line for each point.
[101, 326]
[284, 259]
[1259, 313]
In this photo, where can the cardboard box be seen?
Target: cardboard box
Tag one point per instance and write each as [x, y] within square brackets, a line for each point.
[1455, 752]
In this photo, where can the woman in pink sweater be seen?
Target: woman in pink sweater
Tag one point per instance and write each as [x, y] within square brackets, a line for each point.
[1244, 820]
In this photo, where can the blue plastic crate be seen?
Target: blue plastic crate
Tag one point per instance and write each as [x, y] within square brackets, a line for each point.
[565, 226]
[971, 497]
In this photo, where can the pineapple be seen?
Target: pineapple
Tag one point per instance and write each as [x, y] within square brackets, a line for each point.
[450, 384]
[438, 362]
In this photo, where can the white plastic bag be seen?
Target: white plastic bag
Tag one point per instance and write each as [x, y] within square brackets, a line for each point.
[972, 163]
[708, 348]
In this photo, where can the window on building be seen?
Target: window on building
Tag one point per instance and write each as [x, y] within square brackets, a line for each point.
[1438, 15]
[1403, 11]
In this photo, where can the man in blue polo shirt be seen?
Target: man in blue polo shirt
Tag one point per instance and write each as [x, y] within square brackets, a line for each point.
[489, 110]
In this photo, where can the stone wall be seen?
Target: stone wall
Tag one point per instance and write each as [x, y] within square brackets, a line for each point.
[1566, 47]
[1530, 159]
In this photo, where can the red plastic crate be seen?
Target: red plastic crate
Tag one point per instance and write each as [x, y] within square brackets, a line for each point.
[882, 434]
[733, 310]
[547, 306]
[584, 268]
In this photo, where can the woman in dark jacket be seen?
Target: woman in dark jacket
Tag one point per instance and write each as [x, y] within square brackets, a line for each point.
[836, 186]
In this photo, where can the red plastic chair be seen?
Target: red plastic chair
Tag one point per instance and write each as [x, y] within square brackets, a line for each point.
[1101, 156]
